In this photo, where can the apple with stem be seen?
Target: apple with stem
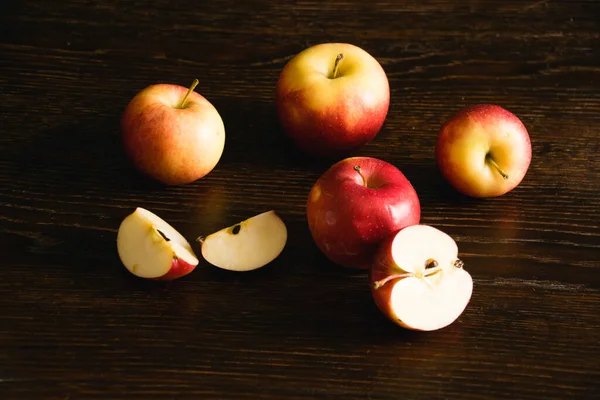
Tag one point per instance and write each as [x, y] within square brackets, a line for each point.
[172, 133]
[483, 150]
[247, 245]
[417, 280]
[332, 98]
[151, 248]
[355, 205]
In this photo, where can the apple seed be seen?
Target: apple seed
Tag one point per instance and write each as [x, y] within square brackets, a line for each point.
[163, 235]
[236, 229]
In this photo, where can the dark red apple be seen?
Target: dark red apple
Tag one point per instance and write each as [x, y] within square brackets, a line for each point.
[355, 205]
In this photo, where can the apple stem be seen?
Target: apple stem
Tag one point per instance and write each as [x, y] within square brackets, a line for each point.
[191, 88]
[491, 161]
[357, 169]
[200, 239]
[432, 268]
[380, 283]
[336, 65]
[431, 271]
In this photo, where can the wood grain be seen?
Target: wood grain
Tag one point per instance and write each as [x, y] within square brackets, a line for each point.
[75, 325]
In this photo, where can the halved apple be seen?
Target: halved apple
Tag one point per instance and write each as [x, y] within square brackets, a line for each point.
[248, 245]
[418, 281]
[151, 248]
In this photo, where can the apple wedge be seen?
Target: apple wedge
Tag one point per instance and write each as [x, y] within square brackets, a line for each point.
[248, 245]
[417, 280]
[151, 248]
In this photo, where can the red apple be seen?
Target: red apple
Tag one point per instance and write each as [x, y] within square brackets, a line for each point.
[417, 280]
[172, 134]
[332, 98]
[483, 151]
[151, 248]
[355, 205]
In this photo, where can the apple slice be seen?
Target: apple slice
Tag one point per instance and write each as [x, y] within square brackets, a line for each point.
[151, 248]
[417, 280]
[247, 245]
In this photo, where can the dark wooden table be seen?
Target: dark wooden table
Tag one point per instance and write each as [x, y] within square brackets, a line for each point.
[76, 325]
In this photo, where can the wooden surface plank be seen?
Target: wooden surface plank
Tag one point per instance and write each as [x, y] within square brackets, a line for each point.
[75, 325]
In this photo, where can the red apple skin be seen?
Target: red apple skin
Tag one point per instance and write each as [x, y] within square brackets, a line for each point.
[330, 117]
[348, 220]
[383, 265]
[172, 145]
[478, 131]
[179, 269]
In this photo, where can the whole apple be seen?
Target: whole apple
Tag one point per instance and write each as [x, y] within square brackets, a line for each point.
[355, 205]
[483, 150]
[332, 98]
[172, 134]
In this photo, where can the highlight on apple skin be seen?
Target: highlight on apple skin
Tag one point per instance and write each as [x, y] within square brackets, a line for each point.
[247, 245]
[417, 280]
[332, 98]
[483, 151]
[172, 134]
[151, 248]
[355, 205]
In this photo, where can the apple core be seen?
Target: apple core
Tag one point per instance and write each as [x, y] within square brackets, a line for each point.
[431, 268]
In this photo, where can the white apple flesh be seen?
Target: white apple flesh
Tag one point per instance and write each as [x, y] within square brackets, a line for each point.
[417, 280]
[151, 248]
[248, 245]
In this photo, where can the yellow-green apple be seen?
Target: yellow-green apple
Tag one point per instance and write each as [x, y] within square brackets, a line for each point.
[172, 134]
[247, 245]
[332, 98]
[355, 205]
[483, 150]
[149, 247]
[417, 280]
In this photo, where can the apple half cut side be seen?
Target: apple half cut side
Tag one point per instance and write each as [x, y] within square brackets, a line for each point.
[247, 245]
[151, 248]
[417, 280]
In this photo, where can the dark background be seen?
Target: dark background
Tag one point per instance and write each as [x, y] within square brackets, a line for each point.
[76, 325]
